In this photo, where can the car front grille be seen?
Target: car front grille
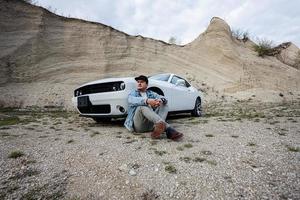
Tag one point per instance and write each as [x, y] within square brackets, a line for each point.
[99, 88]
[95, 109]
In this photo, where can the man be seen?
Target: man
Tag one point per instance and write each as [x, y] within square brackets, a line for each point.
[147, 111]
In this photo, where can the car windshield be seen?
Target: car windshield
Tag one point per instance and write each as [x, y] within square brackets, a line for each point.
[160, 77]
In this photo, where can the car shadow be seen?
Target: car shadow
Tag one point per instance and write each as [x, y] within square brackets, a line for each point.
[178, 116]
[120, 121]
[113, 122]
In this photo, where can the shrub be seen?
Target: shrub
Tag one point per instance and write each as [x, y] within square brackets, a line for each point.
[264, 47]
[188, 145]
[171, 169]
[160, 153]
[293, 149]
[15, 154]
[209, 135]
[251, 144]
[240, 35]
[9, 121]
[174, 40]
[198, 159]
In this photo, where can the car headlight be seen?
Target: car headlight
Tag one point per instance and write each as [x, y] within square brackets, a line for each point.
[122, 86]
[118, 86]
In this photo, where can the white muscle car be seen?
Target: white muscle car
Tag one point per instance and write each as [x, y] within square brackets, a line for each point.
[107, 98]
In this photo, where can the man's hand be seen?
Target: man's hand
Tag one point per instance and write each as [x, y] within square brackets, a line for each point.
[154, 102]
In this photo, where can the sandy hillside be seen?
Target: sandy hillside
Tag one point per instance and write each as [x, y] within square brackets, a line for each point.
[43, 57]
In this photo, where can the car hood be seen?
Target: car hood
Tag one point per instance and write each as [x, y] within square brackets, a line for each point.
[125, 79]
[107, 80]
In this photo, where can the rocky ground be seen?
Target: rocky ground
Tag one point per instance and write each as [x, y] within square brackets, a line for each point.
[238, 151]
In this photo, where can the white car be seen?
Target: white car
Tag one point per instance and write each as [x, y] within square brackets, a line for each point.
[107, 98]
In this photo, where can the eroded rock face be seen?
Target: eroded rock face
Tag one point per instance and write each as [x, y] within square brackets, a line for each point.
[43, 57]
[289, 54]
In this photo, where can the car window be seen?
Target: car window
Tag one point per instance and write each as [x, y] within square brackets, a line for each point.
[175, 78]
[161, 77]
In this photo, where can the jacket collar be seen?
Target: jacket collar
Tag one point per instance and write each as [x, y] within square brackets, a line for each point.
[139, 93]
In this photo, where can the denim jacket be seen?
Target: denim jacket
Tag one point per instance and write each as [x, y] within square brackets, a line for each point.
[134, 100]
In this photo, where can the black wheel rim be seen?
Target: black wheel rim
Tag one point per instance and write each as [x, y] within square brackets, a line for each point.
[198, 108]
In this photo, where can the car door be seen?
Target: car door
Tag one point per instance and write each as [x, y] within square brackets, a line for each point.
[181, 96]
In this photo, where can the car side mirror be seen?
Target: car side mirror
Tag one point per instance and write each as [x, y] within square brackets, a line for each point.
[180, 82]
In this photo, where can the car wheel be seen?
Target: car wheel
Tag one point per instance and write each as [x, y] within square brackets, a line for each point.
[197, 111]
[99, 120]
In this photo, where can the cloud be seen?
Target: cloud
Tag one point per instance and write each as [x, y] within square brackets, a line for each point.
[274, 20]
[161, 19]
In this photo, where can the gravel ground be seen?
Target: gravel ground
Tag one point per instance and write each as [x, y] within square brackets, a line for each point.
[240, 151]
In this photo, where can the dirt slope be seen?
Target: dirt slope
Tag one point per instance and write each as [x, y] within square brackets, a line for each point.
[43, 57]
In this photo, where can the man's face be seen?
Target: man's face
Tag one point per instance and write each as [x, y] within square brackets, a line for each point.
[141, 85]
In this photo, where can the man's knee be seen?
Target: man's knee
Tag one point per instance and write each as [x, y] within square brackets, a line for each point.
[142, 108]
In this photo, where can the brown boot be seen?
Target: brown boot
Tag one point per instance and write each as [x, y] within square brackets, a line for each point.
[159, 128]
[173, 134]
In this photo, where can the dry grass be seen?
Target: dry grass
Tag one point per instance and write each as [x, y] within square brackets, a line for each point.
[171, 169]
[16, 154]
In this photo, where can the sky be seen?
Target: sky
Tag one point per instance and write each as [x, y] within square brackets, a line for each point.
[275, 20]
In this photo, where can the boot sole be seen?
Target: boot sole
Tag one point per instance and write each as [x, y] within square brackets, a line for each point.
[177, 138]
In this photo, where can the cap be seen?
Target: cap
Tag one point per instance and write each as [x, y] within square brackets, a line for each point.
[142, 77]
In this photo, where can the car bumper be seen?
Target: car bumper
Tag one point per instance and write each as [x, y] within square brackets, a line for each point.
[108, 104]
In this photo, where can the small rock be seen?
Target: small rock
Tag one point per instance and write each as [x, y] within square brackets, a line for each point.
[269, 172]
[127, 182]
[256, 169]
[132, 172]
[123, 167]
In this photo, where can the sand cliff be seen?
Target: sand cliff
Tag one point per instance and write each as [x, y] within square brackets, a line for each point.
[43, 57]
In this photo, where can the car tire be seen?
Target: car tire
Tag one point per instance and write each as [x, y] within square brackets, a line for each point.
[99, 120]
[197, 111]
